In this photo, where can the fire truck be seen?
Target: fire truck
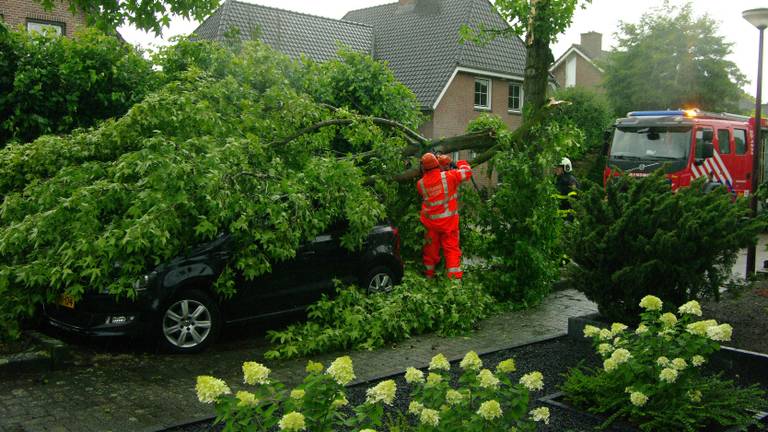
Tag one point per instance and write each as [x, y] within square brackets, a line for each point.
[687, 145]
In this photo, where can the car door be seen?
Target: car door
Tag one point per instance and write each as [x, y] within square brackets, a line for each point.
[279, 291]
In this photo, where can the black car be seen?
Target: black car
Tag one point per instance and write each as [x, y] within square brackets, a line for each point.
[177, 305]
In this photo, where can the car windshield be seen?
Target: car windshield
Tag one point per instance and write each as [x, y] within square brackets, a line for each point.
[651, 143]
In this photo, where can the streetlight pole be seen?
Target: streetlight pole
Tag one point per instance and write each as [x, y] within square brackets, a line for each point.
[758, 18]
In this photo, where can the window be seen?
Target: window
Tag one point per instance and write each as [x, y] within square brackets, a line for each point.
[700, 140]
[35, 26]
[482, 93]
[515, 97]
[740, 138]
[570, 72]
[724, 141]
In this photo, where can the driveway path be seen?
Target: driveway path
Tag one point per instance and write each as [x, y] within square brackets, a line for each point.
[148, 392]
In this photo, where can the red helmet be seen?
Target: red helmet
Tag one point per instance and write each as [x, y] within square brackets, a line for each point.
[444, 160]
[429, 161]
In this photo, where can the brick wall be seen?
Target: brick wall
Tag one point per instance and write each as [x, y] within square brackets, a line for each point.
[456, 110]
[18, 12]
[586, 74]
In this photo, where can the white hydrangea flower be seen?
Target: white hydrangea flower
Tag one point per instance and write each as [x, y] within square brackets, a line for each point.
[381, 392]
[245, 398]
[697, 360]
[668, 375]
[454, 397]
[490, 410]
[668, 319]
[439, 362]
[720, 333]
[429, 417]
[533, 381]
[650, 302]
[618, 328]
[341, 370]
[340, 402]
[605, 348]
[209, 388]
[433, 379]
[679, 363]
[610, 365]
[638, 399]
[621, 355]
[662, 361]
[415, 407]
[471, 361]
[641, 329]
[292, 422]
[413, 375]
[297, 394]
[540, 414]
[691, 308]
[606, 334]
[487, 379]
[694, 396]
[255, 373]
[699, 328]
[507, 366]
[591, 331]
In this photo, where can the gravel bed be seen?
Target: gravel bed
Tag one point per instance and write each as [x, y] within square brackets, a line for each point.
[552, 358]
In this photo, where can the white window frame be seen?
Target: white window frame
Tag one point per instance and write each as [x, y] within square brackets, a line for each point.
[40, 26]
[570, 72]
[521, 97]
[489, 87]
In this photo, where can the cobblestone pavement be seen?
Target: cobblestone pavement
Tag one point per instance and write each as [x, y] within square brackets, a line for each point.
[115, 390]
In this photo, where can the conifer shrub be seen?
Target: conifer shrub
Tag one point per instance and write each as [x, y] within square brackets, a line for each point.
[636, 236]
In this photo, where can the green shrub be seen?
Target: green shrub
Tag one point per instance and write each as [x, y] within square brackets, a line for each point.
[51, 85]
[482, 400]
[354, 320]
[638, 236]
[653, 376]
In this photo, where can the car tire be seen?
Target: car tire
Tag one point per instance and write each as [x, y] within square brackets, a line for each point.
[379, 279]
[190, 322]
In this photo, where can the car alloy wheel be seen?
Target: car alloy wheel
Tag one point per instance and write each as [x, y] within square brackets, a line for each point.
[380, 280]
[186, 323]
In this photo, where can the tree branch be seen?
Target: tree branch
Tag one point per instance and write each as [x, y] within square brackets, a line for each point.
[410, 133]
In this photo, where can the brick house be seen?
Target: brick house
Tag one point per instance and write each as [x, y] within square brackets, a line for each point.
[453, 82]
[580, 64]
[30, 15]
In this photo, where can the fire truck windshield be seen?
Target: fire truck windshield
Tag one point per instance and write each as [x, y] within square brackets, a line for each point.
[655, 143]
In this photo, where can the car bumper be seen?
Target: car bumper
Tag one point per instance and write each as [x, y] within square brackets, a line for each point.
[100, 315]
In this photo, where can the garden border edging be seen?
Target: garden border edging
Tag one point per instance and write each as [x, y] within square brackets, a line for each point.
[748, 364]
[46, 354]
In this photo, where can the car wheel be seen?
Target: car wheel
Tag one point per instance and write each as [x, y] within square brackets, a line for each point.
[379, 279]
[189, 323]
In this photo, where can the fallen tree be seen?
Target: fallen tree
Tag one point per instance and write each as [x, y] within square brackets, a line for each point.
[248, 144]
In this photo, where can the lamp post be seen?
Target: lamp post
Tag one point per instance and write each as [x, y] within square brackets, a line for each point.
[759, 19]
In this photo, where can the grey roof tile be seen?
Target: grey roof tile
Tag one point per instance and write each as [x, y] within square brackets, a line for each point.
[289, 32]
[422, 45]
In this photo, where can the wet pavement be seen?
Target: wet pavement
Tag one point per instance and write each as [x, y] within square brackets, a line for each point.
[120, 385]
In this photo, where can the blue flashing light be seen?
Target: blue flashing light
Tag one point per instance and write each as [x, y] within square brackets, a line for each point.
[655, 113]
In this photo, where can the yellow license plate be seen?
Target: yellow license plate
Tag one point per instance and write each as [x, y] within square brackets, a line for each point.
[67, 301]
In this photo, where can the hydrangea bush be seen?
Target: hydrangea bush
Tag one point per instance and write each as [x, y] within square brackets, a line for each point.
[652, 375]
[482, 400]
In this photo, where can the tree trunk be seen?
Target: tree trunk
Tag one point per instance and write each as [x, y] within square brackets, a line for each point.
[537, 61]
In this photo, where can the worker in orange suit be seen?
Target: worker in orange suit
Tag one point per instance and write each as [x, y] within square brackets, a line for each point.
[440, 213]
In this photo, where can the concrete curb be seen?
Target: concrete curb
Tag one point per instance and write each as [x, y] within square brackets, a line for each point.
[45, 354]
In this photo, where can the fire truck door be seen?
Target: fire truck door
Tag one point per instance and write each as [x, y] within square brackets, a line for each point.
[742, 165]
[730, 161]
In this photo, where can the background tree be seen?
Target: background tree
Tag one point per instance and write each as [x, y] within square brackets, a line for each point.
[592, 114]
[51, 84]
[671, 59]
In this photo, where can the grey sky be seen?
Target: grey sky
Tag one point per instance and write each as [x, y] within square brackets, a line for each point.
[601, 15]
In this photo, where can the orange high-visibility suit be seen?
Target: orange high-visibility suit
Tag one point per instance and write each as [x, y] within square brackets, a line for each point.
[440, 216]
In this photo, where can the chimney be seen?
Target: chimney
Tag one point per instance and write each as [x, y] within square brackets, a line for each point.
[407, 2]
[592, 42]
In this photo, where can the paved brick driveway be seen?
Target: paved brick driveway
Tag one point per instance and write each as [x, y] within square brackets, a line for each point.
[118, 388]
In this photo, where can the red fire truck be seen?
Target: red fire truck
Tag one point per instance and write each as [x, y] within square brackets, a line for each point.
[687, 144]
